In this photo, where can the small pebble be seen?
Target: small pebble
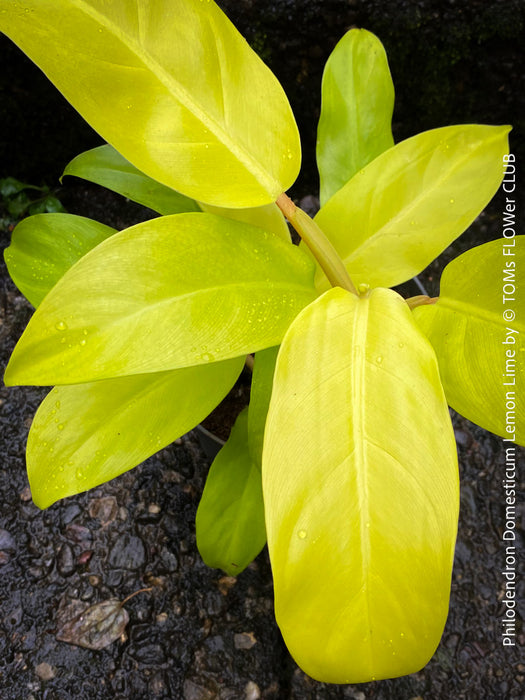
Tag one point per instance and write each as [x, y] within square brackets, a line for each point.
[45, 672]
[162, 618]
[194, 691]
[244, 640]
[65, 561]
[225, 583]
[6, 540]
[252, 691]
[128, 552]
[105, 510]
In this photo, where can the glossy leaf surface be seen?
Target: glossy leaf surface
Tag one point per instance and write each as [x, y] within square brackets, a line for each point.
[86, 434]
[230, 518]
[44, 246]
[172, 86]
[172, 292]
[360, 488]
[356, 110]
[404, 208]
[480, 348]
[106, 167]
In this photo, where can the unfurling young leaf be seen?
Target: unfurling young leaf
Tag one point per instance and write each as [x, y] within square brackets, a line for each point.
[230, 518]
[356, 110]
[361, 490]
[173, 87]
[480, 349]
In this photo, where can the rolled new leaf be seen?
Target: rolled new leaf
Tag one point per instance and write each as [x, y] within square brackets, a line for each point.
[230, 518]
[360, 488]
[172, 86]
[479, 338]
[44, 246]
[405, 207]
[356, 110]
[172, 292]
[87, 434]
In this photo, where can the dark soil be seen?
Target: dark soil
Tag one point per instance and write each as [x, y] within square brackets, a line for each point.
[198, 635]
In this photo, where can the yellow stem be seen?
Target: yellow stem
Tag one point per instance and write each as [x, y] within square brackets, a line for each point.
[320, 247]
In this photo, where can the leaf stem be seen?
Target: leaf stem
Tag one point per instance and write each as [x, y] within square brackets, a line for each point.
[319, 245]
[420, 300]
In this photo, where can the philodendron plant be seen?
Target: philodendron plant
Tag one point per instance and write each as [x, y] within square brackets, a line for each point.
[345, 459]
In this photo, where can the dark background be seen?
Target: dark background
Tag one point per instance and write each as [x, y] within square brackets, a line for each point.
[197, 636]
[452, 62]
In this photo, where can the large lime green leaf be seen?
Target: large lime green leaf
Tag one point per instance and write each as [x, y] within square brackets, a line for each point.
[230, 518]
[477, 328]
[360, 489]
[172, 292]
[356, 109]
[106, 167]
[260, 393]
[406, 206]
[44, 246]
[172, 86]
[87, 434]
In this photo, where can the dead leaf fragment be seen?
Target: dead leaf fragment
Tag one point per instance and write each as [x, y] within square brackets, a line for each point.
[92, 627]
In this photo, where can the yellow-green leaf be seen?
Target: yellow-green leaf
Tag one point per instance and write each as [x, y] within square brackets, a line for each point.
[477, 328]
[230, 518]
[260, 393]
[360, 488]
[106, 167]
[356, 109]
[44, 246]
[172, 292]
[172, 86]
[268, 217]
[405, 207]
[87, 434]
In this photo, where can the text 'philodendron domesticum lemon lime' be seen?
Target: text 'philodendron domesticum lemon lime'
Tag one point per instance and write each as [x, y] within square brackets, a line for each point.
[345, 460]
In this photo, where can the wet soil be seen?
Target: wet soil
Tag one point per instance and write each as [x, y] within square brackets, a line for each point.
[199, 635]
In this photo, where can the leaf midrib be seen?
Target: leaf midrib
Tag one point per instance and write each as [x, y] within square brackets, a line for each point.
[406, 211]
[476, 312]
[262, 176]
[358, 399]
